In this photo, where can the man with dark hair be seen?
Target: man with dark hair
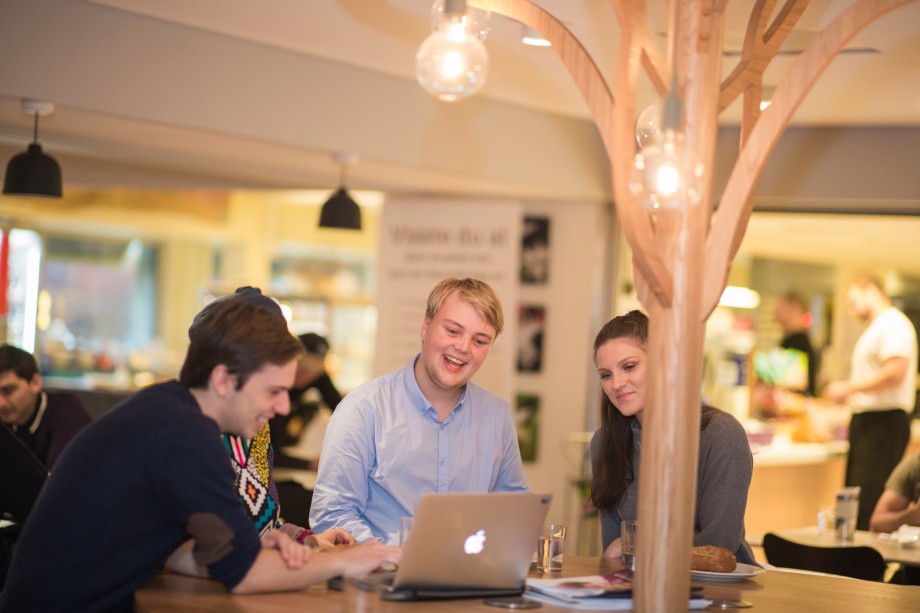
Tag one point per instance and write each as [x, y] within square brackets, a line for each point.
[789, 314]
[311, 372]
[152, 473]
[45, 422]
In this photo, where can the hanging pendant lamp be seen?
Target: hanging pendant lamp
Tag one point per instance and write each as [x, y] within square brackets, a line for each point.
[33, 173]
[340, 210]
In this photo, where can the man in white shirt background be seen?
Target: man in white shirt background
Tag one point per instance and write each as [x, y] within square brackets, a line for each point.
[881, 391]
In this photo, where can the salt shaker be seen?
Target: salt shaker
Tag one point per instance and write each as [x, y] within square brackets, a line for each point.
[847, 511]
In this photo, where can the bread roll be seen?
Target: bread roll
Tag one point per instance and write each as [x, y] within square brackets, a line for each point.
[712, 559]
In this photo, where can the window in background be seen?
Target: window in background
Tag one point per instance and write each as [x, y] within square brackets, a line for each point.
[98, 301]
[22, 258]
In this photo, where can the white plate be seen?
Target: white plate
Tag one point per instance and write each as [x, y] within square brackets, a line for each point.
[742, 571]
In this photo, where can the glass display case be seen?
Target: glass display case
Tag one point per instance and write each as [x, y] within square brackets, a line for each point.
[331, 294]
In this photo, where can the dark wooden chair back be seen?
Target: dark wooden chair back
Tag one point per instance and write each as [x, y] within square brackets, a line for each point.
[858, 561]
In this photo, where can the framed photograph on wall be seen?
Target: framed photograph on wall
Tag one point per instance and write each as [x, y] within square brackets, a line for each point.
[535, 251]
[527, 422]
[531, 323]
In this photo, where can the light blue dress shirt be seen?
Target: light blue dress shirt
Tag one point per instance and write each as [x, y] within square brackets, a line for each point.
[384, 448]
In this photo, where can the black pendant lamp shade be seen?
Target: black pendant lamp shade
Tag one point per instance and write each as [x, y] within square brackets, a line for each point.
[340, 211]
[33, 173]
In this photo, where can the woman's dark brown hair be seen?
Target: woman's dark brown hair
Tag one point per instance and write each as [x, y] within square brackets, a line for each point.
[611, 468]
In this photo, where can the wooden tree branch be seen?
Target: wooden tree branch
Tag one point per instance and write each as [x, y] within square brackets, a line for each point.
[737, 202]
[574, 56]
[637, 50]
[637, 225]
[761, 42]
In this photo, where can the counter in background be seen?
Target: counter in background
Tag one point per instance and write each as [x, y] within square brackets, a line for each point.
[791, 480]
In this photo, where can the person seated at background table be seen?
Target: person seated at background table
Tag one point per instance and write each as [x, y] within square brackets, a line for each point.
[725, 462]
[152, 472]
[423, 429]
[21, 479]
[899, 504]
[45, 422]
[311, 375]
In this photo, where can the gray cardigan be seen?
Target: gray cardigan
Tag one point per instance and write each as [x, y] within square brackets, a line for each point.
[723, 478]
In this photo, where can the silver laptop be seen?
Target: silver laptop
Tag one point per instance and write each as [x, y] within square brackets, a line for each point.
[469, 545]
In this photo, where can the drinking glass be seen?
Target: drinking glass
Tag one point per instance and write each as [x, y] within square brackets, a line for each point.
[550, 548]
[827, 517]
[628, 543]
[405, 525]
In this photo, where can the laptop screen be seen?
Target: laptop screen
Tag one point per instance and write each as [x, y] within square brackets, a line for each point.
[472, 540]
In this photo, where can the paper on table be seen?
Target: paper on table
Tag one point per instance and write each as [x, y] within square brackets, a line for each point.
[905, 536]
[591, 593]
[908, 535]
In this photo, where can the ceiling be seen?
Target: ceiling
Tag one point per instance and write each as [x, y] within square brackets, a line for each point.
[875, 82]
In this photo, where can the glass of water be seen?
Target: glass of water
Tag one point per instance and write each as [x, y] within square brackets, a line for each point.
[550, 548]
[628, 543]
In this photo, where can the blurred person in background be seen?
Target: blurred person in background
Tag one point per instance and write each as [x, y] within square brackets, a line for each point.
[46, 422]
[899, 506]
[881, 391]
[790, 314]
[312, 378]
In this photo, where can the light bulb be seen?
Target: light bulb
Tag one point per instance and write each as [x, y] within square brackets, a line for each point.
[667, 176]
[451, 64]
[477, 21]
[648, 126]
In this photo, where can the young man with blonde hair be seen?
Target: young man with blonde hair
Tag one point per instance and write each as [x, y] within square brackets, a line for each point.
[423, 429]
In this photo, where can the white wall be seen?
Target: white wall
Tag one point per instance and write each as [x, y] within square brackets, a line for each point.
[578, 250]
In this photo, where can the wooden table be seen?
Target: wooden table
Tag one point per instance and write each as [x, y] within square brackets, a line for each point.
[775, 591]
[890, 549]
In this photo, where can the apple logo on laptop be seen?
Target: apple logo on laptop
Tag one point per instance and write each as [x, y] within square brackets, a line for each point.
[475, 542]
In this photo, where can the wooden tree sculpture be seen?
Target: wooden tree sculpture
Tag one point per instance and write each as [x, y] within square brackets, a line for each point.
[682, 260]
